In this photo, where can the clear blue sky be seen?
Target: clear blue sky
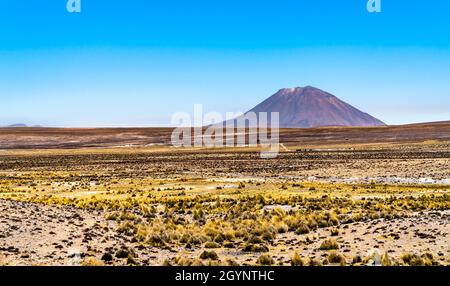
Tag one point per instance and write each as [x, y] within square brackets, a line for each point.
[135, 63]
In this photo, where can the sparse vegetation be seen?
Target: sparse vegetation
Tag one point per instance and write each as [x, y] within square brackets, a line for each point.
[265, 259]
[336, 258]
[329, 244]
[334, 232]
[417, 260]
[149, 202]
[209, 255]
[297, 260]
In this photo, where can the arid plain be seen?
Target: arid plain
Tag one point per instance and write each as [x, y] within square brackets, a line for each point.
[333, 196]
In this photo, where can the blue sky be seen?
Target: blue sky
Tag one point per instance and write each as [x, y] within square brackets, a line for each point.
[135, 63]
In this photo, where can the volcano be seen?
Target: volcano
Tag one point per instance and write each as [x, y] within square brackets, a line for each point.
[310, 107]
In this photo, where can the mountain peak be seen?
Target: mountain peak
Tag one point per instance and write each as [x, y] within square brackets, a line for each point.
[308, 107]
[301, 90]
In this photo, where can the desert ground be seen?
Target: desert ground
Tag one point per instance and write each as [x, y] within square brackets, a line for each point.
[333, 196]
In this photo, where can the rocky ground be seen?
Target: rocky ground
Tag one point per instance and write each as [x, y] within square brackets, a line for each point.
[420, 233]
[34, 234]
[155, 206]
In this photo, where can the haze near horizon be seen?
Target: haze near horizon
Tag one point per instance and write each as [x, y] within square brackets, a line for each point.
[135, 63]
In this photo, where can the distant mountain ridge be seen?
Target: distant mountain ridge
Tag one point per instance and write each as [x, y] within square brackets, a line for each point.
[21, 125]
[310, 107]
[17, 125]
